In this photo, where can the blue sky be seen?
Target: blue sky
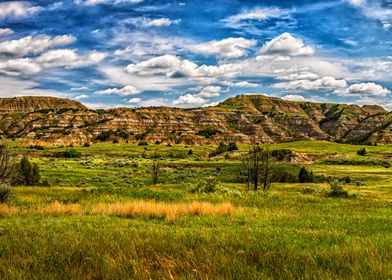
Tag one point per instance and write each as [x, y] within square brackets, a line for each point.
[110, 53]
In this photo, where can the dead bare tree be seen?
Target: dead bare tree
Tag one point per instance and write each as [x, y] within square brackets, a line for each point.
[258, 167]
[155, 170]
[7, 166]
[268, 169]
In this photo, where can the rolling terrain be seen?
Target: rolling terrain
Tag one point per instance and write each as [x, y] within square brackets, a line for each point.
[241, 119]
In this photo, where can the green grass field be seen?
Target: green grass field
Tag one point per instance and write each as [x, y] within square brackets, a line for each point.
[86, 225]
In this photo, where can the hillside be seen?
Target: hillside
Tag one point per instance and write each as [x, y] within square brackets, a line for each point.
[33, 103]
[240, 119]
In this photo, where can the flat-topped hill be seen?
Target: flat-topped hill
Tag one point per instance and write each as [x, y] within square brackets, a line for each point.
[33, 103]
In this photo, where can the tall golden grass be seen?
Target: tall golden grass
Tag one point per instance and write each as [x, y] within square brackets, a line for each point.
[137, 208]
[6, 210]
[170, 211]
[58, 208]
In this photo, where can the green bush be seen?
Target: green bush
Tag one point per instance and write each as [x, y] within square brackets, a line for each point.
[27, 174]
[72, 153]
[208, 132]
[336, 190]
[361, 152]
[36, 147]
[223, 148]
[281, 154]
[209, 185]
[104, 135]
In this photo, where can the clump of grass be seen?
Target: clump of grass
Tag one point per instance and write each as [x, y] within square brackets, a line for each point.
[308, 190]
[172, 211]
[209, 185]
[6, 210]
[337, 190]
[58, 208]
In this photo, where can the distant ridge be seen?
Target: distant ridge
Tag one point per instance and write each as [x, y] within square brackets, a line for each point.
[241, 119]
[27, 104]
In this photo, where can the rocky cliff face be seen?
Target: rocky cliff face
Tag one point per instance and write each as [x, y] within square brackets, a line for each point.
[241, 119]
[33, 103]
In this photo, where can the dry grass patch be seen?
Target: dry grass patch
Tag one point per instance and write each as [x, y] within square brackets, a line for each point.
[170, 211]
[58, 208]
[6, 210]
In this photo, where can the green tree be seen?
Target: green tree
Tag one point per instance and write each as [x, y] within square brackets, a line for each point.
[25, 170]
[305, 176]
[29, 172]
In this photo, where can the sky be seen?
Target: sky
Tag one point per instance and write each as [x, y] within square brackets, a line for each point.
[138, 53]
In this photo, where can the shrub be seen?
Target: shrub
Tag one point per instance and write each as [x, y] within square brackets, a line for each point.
[361, 152]
[209, 185]
[5, 193]
[36, 147]
[222, 148]
[142, 135]
[27, 174]
[305, 176]
[232, 147]
[72, 153]
[336, 190]
[142, 143]
[281, 154]
[208, 132]
[346, 179]
[308, 190]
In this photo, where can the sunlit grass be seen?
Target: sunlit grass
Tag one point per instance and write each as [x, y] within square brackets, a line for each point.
[170, 211]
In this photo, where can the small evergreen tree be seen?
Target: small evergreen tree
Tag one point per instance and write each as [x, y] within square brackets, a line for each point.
[35, 176]
[25, 170]
[29, 173]
[305, 176]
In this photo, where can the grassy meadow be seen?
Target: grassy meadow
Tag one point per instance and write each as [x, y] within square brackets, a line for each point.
[102, 218]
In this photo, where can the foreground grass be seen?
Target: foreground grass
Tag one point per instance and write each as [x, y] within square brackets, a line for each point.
[284, 234]
[101, 219]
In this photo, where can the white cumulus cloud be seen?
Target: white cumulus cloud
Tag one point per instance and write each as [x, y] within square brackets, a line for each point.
[17, 9]
[135, 100]
[367, 89]
[323, 83]
[226, 48]
[287, 45]
[125, 91]
[6, 32]
[33, 45]
[173, 67]
[294, 97]
[209, 91]
[69, 58]
[20, 66]
[189, 100]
